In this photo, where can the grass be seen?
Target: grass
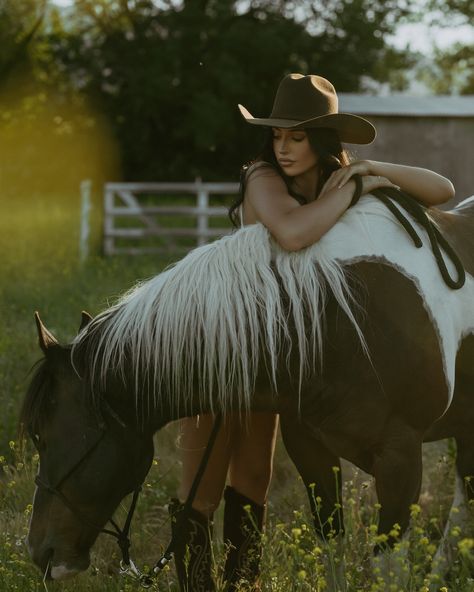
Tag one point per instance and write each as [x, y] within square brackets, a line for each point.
[40, 270]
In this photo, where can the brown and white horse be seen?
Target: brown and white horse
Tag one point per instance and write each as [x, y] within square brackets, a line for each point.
[356, 342]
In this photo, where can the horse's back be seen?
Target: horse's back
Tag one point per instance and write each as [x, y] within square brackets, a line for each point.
[457, 225]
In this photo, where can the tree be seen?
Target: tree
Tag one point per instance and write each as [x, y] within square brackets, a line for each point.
[46, 127]
[20, 21]
[169, 76]
[452, 70]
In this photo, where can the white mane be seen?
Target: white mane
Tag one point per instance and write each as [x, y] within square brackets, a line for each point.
[207, 319]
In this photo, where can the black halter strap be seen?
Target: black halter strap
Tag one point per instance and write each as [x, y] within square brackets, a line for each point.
[389, 195]
[122, 535]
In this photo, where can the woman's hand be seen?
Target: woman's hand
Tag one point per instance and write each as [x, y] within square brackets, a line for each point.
[339, 178]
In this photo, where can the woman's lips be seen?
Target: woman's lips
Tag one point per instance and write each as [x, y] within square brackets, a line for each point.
[286, 163]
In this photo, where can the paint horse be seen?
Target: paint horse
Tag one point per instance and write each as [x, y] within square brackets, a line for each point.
[355, 341]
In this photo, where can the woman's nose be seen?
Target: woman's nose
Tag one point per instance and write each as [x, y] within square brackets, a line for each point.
[282, 147]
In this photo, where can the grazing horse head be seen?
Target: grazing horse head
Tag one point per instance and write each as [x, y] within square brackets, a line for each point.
[91, 456]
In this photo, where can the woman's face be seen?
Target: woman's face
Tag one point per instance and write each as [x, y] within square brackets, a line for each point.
[293, 151]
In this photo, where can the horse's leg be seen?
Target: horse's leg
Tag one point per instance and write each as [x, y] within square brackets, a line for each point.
[397, 470]
[460, 513]
[320, 471]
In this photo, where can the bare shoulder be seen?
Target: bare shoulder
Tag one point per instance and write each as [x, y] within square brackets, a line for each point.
[266, 197]
[262, 178]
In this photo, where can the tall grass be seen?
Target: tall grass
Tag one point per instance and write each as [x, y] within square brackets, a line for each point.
[40, 270]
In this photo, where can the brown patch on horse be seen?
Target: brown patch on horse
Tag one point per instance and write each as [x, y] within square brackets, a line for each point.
[458, 228]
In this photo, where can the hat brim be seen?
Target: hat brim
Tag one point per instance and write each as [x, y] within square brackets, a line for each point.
[351, 129]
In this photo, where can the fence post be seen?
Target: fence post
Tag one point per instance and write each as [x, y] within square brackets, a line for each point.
[86, 185]
[109, 242]
[202, 218]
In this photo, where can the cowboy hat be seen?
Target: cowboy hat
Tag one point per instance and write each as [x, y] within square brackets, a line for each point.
[311, 102]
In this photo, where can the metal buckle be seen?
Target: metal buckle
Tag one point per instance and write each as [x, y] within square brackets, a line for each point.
[131, 571]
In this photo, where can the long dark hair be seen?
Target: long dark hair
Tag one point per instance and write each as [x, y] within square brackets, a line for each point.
[326, 144]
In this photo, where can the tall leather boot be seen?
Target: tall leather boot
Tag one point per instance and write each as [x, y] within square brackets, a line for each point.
[192, 552]
[243, 525]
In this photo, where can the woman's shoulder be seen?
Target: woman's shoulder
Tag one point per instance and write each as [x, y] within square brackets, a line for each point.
[261, 166]
[261, 171]
[263, 182]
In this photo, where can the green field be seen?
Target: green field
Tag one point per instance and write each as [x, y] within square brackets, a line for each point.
[40, 270]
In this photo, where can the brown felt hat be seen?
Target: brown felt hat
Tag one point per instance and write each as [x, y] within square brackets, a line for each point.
[311, 102]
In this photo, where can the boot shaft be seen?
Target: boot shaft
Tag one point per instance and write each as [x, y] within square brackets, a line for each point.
[243, 526]
[193, 550]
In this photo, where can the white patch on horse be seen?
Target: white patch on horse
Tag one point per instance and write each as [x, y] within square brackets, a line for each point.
[370, 232]
[62, 572]
[206, 319]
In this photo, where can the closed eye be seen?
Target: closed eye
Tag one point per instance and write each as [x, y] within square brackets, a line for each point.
[294, 138]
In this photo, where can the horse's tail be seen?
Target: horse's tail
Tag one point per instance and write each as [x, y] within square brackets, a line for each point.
[457, 226]
[466, 206]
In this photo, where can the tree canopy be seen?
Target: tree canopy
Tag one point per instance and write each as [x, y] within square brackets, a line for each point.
[452, 69]
[167, 74]
[170, 75]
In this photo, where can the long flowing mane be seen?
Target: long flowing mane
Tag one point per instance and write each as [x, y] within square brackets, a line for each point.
[206, 325]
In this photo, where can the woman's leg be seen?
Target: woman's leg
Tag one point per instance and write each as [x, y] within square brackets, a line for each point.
[194, 436]
[251, 462]
[193, 554]
[244, 515]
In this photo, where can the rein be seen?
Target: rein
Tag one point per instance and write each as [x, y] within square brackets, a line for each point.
[146, 579]
[387, 196]
[122, 535]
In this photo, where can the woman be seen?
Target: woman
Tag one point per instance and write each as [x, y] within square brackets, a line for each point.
[298, 188]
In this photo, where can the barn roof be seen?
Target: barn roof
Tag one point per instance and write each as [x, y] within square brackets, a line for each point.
[404, 105]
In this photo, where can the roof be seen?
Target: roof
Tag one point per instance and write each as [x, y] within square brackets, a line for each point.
[406, 105]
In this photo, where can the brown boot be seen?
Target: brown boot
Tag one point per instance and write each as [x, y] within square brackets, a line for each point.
[243, 525]
[192, 552]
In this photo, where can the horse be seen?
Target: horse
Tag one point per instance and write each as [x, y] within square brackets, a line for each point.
[355, 342]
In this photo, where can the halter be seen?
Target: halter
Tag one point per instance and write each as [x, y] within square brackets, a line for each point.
[122, 535]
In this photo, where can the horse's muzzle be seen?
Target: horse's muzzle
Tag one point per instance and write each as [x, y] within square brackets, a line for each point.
[56, 568]
[64, 571]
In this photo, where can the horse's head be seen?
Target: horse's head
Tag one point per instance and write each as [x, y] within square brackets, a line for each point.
[92, 454]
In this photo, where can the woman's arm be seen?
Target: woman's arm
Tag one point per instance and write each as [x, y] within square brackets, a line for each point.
[426, 186]
[296, 226]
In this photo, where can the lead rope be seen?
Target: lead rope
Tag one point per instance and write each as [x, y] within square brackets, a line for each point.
[127, 567]
[413, 207]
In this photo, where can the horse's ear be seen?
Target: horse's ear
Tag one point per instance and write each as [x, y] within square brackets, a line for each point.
[46, 339]
[85, 320]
